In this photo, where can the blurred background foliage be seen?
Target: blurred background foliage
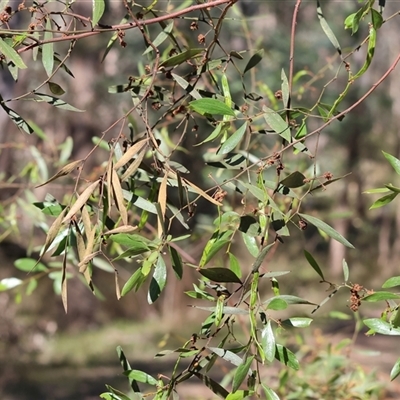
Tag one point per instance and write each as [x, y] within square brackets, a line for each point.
[33, 327]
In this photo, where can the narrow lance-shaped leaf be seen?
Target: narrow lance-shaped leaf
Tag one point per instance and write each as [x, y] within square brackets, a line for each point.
[181, 58]
[277, 124]
[233, 140]
[54, 101]
[384, 200]
[326, 28]
[130, 153]
[64, 295]
[11, 55]
[98, 10]
[211, 106]
[67, 169]
[162, 201]
[370, 53]
[285, 90]
[119, 197]
[160, 38]
[327, 229]
[314, 264]
[254, 60]
[158, 281]
[48, 51]
[395, 372]
[81, 201]
[394, 162]
[268, 342]
[241, 373]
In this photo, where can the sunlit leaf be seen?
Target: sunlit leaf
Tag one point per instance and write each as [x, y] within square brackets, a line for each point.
[241, 373]
[286, 357]
[47, 49]
[383, 200]
[158, 281]
[277, 124]
[17, 119]
[233, 140]
[11, 55]
[140, 376]
[98, 10]
[54, 101]
[181, 58]
[211, 106]
[382, 327]
[394, 162]
[67, 169]
[392, 282]
[268, 341]
[381, 296]
[162, 36]
[395, 372]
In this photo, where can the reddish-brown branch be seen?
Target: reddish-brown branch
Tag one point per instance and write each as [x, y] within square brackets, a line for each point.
[130, 25]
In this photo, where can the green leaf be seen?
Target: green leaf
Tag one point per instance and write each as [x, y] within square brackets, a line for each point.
[9, 283]
[394, 162]
[297, 322]
[294, 180]
[382, 327]
[381, 296]
[395, 372]
[392, 188]
[11, 55]
[326, 28]
[286, 357]
[176, 262]
[211, 106]
[392, 282]
[377, 190]
[27, 264]
[254, 60]
[217, 241]
[241, 373]
[47, 49]
[345, 271]
[269, 393]
[140, 376]
[314, 264]
[56, 89]
[277, 304]
[215, 387]
[160, 38]
[134, 282]
[233, 140]
[158, 281]
[384, 200]
[268, 342]
[221, 275]
[251, 244]
[277, 123]
[182, 57]
[370, 53]
[289, 300]
[240, 395]
[98, 10]
[327, 229]
[376, 19]
[260, 258]
[234, 265]
[54, 101]
[229, 356]
[285, 90]
[126, 367]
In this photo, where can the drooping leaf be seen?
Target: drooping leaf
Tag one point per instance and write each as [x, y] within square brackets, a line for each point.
[345, 270]
[11, 55]
[221, 275]
[47, 49]
[126, 367]
[176, 262]
[214, 245]
[240, 395]
[260, 258]
[326, 28]
[211, 106]
[98, 10]
[215, 387]
[268, 341]
[134, 282]
[158, 281]
[254, 60]
[81, 200]
[233, 140]
[296, 322]
[314, 264]
[285, 90]
[370, 53]
[327, 229]
[241, 373]
[289, 299]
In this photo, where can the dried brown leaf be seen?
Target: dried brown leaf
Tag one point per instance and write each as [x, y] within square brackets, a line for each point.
[64, 296]
[81, 201]
[134, 166]
[122, 229]
[130, 153]
[119, 197]
[86, 220]
[67, 169]
[85, 262]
